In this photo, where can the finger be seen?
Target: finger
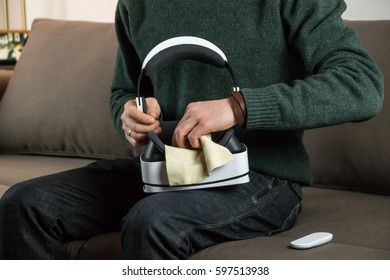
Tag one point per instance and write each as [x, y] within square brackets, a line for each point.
[194, 137]
[137, 143]
[139, 132]
[132, 114]
[180, 136]
[141, 117]
[135, 125]
[138, 138]
[153, 108]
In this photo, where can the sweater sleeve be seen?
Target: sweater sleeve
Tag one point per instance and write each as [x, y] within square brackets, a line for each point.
[127, 68]
[343, 83]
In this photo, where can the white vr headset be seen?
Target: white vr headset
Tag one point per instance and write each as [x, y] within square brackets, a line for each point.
[153, 166]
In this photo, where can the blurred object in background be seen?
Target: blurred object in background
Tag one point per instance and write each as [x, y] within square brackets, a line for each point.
[13, 31]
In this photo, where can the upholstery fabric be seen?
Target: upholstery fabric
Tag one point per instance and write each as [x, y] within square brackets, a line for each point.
[356, 156]
[5, 75]
[53, 78]
[350, 216]
[3, 189]
[59, 76]
[29, 167]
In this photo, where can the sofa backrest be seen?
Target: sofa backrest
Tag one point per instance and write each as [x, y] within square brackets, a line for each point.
[5, 76]
[52, 82]
[57, 100]
[356, 156]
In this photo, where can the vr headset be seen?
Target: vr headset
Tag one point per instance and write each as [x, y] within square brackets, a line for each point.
[153, 166]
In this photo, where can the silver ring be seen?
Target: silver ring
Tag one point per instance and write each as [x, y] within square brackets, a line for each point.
[129, 132]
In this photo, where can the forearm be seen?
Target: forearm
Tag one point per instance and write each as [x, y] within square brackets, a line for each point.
[127, 69]
[343, 83]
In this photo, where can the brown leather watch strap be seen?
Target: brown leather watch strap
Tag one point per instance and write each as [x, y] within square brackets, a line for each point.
[239, 107]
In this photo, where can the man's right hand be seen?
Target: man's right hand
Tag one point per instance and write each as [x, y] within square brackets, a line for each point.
[137, 124]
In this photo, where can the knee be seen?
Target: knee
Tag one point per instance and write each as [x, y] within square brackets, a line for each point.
[147, 218]
[10, 205]
[11, 195]
[18, 197]
[151, 230]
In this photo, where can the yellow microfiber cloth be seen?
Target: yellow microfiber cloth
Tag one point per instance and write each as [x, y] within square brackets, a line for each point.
[186, 166]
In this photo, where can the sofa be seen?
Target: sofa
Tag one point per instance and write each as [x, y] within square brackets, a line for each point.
[54, 116]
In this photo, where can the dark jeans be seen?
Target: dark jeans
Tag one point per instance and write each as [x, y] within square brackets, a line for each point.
[39, 215]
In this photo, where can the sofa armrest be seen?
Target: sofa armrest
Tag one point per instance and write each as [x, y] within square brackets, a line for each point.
[5, 76]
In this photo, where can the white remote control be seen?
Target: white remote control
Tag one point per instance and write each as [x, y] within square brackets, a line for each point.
[312, 240]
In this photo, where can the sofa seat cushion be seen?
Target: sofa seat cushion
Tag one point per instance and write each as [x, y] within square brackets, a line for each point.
[100, 247]
[3, 189]
[359, 222]
[276, 248]
[17, 168]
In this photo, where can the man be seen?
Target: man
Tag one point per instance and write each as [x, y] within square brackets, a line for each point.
[298, 66]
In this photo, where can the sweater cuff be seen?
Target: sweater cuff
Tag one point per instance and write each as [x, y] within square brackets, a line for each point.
[262, 109]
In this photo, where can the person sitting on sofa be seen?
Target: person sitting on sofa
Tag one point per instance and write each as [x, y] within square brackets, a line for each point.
[299, 67]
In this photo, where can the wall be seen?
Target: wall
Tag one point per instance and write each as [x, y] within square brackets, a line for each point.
[15, 19]
[367, 9]
[90, 10]
[104, 10]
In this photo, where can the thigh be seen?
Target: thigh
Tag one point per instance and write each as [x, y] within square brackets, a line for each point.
[192, 220]
[82, 202]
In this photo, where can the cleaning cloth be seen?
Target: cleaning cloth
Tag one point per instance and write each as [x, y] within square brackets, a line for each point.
[186, 166]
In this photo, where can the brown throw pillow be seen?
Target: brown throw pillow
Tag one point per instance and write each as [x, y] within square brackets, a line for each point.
[57, 102]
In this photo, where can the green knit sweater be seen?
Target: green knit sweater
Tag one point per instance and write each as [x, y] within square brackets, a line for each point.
[296, 63]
